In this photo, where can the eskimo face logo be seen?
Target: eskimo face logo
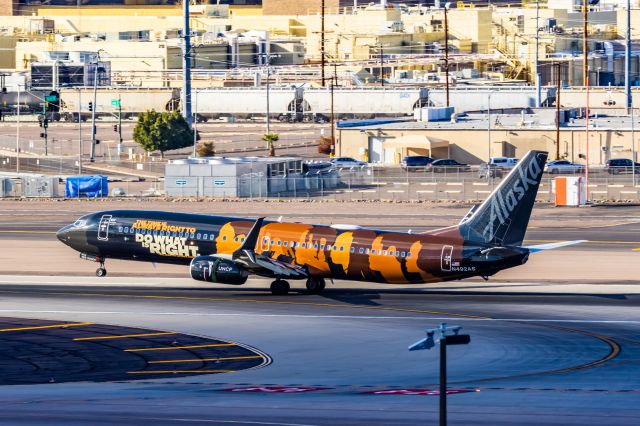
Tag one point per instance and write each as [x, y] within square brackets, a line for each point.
[504, 203]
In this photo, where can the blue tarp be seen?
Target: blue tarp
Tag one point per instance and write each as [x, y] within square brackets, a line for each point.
[86, 186]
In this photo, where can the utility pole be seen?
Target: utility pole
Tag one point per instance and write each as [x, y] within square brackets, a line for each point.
[322, 53]
[627, 54]
[489, 128]
[268, 118]
[446, 52]
[558, 84]
[195, 122]
[585, 73]
[18, 134]
[119, 126]
[381, 50]
[536, 74]
[186, 65]
[80, 145]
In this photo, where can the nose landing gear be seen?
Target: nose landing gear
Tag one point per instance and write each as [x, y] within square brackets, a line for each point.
[101, 271]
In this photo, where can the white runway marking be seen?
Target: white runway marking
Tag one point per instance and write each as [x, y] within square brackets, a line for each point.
[373, 317]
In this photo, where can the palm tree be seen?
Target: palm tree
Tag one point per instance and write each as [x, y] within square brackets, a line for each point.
[270, 138]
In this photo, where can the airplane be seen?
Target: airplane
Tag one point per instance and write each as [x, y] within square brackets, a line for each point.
[227, 250]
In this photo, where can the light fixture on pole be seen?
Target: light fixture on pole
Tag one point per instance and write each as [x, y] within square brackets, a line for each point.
[93, 107]
[444, 340]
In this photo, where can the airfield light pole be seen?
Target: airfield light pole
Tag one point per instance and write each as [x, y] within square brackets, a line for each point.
[444, 340]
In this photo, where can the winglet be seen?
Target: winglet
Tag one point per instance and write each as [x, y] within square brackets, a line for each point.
[251, 241]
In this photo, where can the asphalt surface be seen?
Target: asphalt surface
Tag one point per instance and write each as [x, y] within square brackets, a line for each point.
[36, 351]
[533, 358]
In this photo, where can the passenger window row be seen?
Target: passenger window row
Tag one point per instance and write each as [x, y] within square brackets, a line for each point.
[329, 247]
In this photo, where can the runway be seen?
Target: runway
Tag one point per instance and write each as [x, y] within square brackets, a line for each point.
[340, 358]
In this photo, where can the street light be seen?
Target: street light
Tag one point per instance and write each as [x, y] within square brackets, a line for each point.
[93, 107]
[444, 340]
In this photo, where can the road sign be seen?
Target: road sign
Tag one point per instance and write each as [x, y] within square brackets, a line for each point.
[115, 102]
[51, 98]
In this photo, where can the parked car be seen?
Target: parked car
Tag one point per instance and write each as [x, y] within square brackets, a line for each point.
[415, 162]
[563, 166]
[621, 165]
[344, 162]
[447, 165]
[497, 167]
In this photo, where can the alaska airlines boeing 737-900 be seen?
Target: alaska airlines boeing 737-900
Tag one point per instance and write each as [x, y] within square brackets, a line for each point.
[227, 250]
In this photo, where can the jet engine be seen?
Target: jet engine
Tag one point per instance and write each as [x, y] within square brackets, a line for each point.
[217, 270]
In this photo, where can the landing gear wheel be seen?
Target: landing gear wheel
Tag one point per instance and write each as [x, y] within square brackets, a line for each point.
[280, 287]
[315, 285]
[101, 272]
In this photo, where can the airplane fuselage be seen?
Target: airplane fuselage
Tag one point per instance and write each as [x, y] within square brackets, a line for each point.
[336, 252]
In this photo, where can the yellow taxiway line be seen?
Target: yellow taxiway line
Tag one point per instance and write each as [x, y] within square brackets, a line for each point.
[231, 358]
[124, 336]
[42, 327]
[170, 348]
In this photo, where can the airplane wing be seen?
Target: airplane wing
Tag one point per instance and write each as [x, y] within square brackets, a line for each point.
[550, 246]
[264, 265]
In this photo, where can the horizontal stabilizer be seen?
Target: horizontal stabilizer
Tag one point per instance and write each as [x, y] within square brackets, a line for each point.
[550, 246]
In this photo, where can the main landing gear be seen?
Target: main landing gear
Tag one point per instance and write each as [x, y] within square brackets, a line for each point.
[315, 285]
[280, 287]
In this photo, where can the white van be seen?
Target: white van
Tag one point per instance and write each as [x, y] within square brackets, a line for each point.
[497, 167]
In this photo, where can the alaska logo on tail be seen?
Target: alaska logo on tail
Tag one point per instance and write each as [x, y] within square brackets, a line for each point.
[503, 218]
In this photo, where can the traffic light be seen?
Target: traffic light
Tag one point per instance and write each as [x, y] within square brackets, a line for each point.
[115, 128]
[45, 123]
[42, 135]
[90, 106]
[40, 121]
[97, 141]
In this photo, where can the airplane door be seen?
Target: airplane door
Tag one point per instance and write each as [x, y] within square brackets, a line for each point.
[445, 259]
[103, 227]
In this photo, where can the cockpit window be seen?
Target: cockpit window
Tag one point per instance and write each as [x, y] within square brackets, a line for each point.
[79, 223]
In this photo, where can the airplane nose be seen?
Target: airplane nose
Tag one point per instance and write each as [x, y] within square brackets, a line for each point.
[64, 234]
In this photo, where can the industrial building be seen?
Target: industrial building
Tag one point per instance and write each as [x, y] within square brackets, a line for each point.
[475, 137]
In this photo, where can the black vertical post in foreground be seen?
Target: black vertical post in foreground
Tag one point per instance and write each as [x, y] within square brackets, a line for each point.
[444, 340]
[443, 382]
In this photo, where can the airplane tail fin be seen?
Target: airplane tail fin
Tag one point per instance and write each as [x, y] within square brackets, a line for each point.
[503, 218]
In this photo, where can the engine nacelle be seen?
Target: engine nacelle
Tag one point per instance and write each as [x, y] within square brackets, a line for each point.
[216, 270]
